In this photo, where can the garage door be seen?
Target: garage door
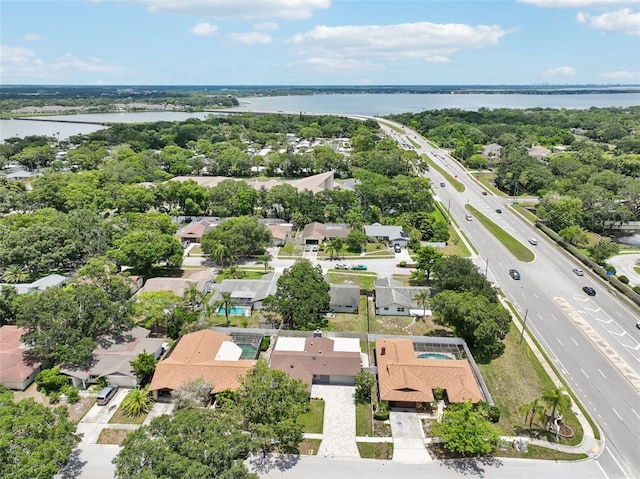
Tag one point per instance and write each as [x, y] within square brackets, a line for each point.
[342, 380]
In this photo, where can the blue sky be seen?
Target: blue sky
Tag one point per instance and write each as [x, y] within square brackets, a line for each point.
[319, 42]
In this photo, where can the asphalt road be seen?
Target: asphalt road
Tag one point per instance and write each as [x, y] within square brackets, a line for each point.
[601, 377]
[315, 467]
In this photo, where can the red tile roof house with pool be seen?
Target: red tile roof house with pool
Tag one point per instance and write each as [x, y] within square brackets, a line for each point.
[407, 381]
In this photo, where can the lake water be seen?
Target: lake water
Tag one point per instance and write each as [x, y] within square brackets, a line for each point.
[358, 104]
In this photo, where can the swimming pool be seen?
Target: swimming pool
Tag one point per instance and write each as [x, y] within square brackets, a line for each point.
[234, 311]
[434, 356]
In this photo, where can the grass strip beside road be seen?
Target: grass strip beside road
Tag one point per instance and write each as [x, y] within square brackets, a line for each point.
[375, 450]
[455, 183]
[517, 249]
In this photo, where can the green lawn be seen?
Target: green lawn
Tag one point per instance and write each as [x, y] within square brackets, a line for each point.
[505, 376]
[364, 279]
[538, 452]
[519, 250]
[364, 426]
[351, 323]
[248, 274]
[195, 249]
[313, 420]
[455, 246]
[375, 450]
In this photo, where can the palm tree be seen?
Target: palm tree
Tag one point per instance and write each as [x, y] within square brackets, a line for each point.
[331, 250]
[233, 272]
[218, 252]
[532, 410]
[16, 274]
[557, 399]
[192, 295]
[422, 298]
[137, 402]
[265, 259]
[226, 302]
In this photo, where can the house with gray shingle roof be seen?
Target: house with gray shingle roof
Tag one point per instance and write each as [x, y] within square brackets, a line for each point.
[395, 299]
[247, 293]
[390, 233]
[344, 298]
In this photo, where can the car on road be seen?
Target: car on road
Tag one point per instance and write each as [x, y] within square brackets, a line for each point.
[359, 267]
[341, 266]
[578, 271]
[484, 193]
[589, 290]
[498, 210]
[514, 273]
[307, 248]
[442, 184]
[469, 217]
[105, 395]
[397, 248]
[533, 241]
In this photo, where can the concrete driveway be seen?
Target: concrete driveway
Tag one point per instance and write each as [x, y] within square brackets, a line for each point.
[339, 433]
[408, 438]
[98, 417]
[90, 462]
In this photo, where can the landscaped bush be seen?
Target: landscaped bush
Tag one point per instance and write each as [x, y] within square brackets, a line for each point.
[266, 342]
[73, 395]
[50, 380]
[636, 289]
[609, 268]
[382, 411]
[54, 397]
[623, 279]
[402, 264]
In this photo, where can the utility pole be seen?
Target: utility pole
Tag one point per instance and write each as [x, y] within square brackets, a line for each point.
[524, 324]
[449, 214]
[486, 270]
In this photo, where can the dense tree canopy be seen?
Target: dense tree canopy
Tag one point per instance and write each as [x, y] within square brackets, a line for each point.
[63, 323]
[242, 236]
[198, 444]
[464, 430]
[36, 441]
[302, 297]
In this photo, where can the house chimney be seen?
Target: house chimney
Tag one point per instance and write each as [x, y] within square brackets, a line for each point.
[383, 350]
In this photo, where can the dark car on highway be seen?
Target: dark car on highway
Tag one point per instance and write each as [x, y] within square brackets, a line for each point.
[498, 210]
[589, 290]
[514, 273]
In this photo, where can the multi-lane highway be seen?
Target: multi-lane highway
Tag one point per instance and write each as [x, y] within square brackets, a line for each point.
[592, 340]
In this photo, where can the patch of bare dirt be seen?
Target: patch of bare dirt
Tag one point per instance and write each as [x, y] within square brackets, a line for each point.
[113, 436]
[76, 411]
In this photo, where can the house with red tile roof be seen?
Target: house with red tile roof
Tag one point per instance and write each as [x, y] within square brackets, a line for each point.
[204, 354]
[16, 371]
[408, 381]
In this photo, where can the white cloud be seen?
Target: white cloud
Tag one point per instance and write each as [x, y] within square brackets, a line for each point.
[266, 26]
[239, 9]
[204, 29]
[579, 3]
[32, 37]
[22, 64]
[560, 72]
[622, 75]
[324, 65]
[437, 59]
[251, 38]
[622, 21]
[408, 40]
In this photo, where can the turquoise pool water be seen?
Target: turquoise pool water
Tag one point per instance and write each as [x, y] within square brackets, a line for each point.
[248, 351]
[234, 311]
[433, 356]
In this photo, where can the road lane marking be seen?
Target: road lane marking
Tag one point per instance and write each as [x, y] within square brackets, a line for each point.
[618, 313]
[551, 314]
[541, 318]
[602, 470]
[616, 413]
[560, 342]
[585, 374]
[574, 342]
[635, 413]
[602, 374]
[618, 463]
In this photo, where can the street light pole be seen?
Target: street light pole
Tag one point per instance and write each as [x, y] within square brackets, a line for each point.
[448, 213]
[486, 270]
[524, 324]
